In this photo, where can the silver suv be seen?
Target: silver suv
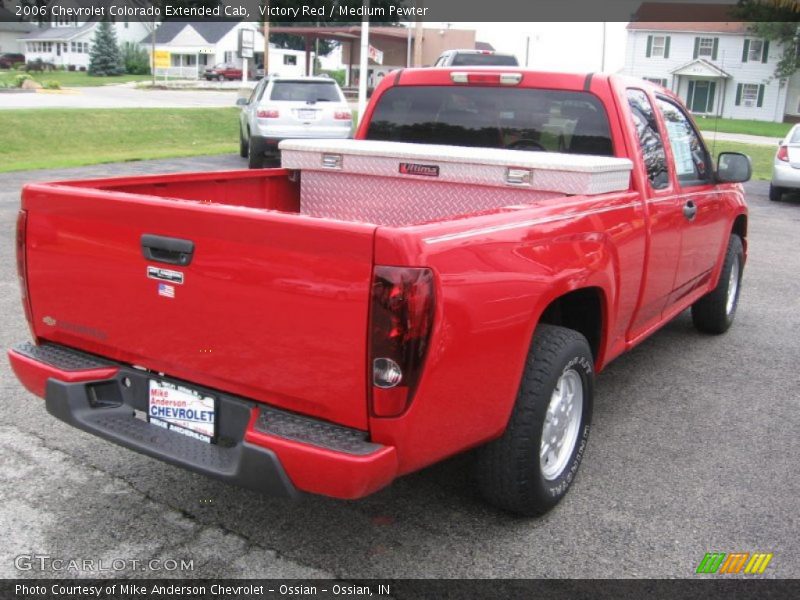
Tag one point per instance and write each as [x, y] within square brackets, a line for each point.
[283, 108]
[475, 58]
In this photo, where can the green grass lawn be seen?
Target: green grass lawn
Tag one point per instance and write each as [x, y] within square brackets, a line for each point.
[761, 156]
[72, 78]
[764, 128]
[49, 138]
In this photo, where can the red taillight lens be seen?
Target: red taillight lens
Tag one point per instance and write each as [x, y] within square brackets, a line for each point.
[268, 114]
[22, 264]
[783, 154]
[401, 322]
[343, 115]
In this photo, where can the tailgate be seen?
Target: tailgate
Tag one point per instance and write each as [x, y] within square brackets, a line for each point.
[272, 307]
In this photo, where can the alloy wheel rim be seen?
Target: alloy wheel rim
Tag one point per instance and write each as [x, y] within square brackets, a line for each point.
[561, 424]
[733, 286]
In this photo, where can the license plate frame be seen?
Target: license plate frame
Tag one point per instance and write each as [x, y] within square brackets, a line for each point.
[182, 409]
[307, 114]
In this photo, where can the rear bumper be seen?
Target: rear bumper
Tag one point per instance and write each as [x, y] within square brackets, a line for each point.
[785, 176]
[261, 448]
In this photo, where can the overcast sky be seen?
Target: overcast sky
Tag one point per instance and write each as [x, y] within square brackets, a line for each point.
[555, 46]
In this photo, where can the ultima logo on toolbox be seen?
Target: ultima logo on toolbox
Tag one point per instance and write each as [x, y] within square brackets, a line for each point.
[721, 563]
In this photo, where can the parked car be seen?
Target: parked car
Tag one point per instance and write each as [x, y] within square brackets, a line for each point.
[452, 279]
[475, 58]
[786, 166]
[223, 71]
[9, 60]
[283, 108]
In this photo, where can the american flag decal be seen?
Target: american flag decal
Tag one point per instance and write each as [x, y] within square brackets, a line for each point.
[165, 290]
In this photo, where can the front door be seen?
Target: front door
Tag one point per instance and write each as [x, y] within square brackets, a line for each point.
[703, 224]
[701, 96]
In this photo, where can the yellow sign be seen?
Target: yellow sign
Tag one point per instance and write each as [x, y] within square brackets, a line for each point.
[162, 59]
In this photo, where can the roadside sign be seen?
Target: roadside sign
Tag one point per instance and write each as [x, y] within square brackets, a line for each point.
[247, 43]
[161, 59]
[375, 55]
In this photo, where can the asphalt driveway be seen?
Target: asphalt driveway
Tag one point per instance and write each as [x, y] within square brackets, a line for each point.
[694, 449]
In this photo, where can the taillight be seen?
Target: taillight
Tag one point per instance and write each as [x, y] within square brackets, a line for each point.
[343, 115]
[401, 322]
[486, 78]
[22, 265]
[783, 154]
[268, 114]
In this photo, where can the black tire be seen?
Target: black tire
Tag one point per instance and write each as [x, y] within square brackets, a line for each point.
[244, 145]
[509, 471]
[255, 153]
[712, 313]
[775, 193]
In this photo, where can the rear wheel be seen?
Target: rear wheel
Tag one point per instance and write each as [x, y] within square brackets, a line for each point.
[255, 153]
[715, 311]
[529, 469]
[775, 193]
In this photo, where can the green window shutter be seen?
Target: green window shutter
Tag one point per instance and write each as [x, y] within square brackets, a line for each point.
[690, 94]
[760, 101]
[738, 94]
[746, 50]
[696, 47]
[666, 47]
[714, 49]
[649, 45]
[765, 52]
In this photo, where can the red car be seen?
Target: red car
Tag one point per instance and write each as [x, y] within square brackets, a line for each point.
[10, 60]
[224, 71]
[452, 279]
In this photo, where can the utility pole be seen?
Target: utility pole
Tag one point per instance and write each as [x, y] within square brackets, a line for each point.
[603, 52]
[418, 34]
[266, 39]
[363, 62]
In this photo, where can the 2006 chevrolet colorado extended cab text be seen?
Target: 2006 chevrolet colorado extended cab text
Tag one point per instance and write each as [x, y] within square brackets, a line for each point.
[451, 279]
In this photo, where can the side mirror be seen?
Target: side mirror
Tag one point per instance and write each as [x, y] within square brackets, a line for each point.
[241, 102]
[733, 167]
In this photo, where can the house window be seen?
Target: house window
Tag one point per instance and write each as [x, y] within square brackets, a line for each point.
[755, 51]
[657, 80]
[228, 56]
[749, 96]
[289, 59]
[659, 45]
[705, 47]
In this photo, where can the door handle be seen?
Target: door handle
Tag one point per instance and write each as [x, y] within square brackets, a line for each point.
[173, 251]
[690, 210]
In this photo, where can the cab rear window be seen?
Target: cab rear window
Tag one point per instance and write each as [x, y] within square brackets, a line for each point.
[304, 91]
[491, 117]
[484, 60]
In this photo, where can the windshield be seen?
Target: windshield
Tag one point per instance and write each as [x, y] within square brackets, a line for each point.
[493, 117]
[480, 60]
[305, 91]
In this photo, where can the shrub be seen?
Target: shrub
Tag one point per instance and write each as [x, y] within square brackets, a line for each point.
[51, 85]
[20, 78]
[135, 58]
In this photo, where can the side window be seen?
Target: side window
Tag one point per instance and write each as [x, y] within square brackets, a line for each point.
[692, 162]
[650, 143]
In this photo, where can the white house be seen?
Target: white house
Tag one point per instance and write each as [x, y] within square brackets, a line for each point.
[66, 41]
[193, 47]
[10, 30]
[717, 68]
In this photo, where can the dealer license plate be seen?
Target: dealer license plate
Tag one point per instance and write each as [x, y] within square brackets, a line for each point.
[181, 409]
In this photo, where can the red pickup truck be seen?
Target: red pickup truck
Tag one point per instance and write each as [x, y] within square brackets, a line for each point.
[451, 279]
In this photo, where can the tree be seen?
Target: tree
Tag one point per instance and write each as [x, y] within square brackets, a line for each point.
[135, 59]
[105, 59]
[776, 21]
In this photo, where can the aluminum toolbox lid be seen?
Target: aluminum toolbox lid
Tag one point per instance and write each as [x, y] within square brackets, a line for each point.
[543, 171]
[580, 163]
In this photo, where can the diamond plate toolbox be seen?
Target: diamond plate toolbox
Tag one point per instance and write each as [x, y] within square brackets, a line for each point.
[394, 183]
